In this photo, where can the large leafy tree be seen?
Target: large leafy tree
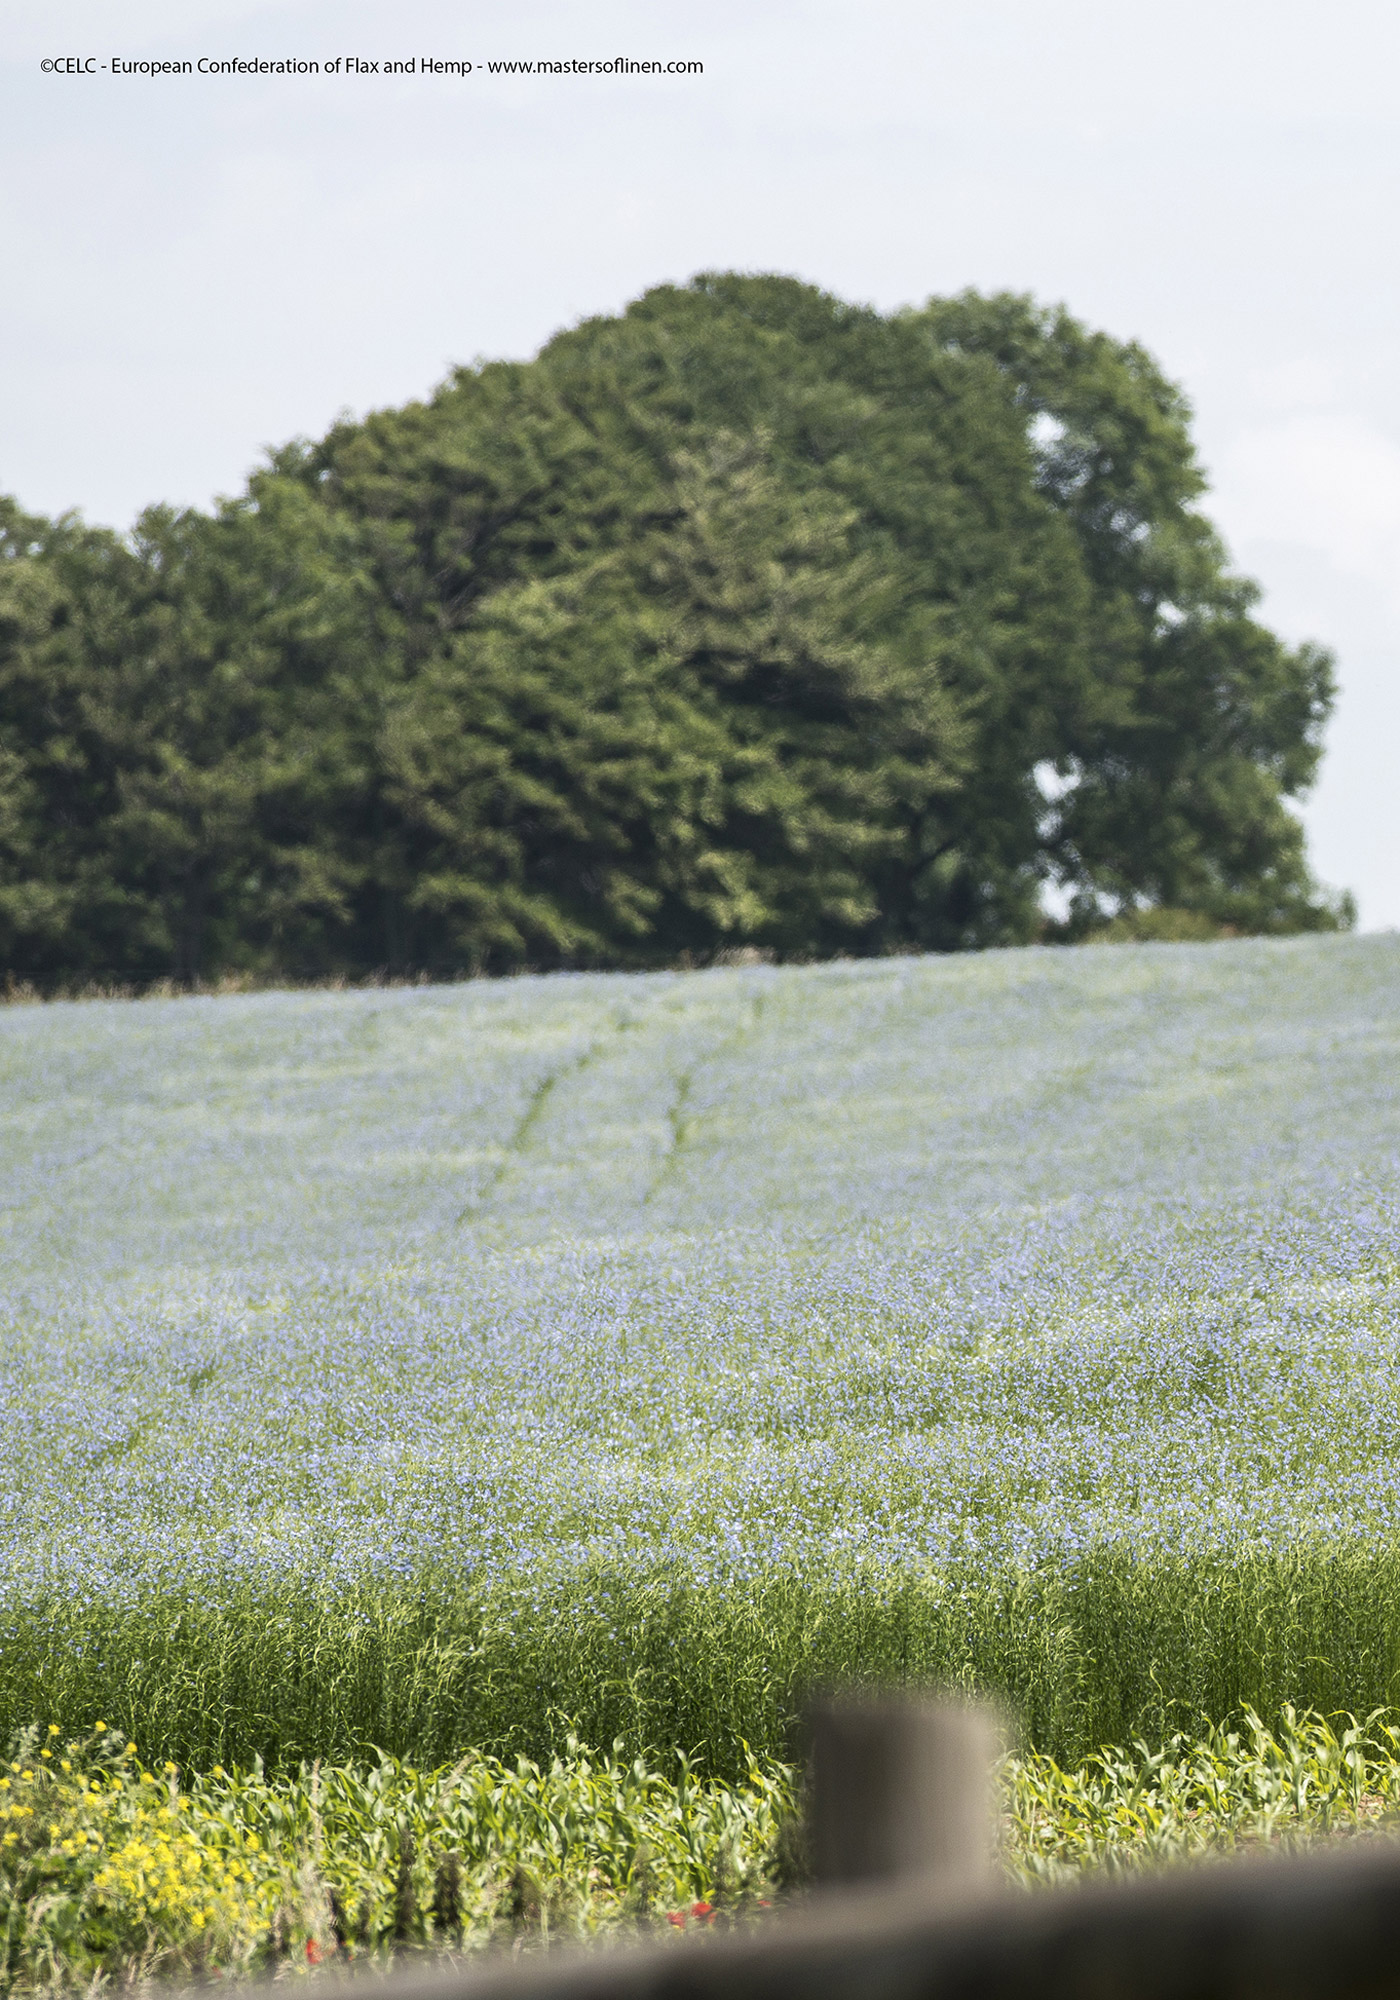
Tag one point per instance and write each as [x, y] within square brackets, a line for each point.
[182, 742]
[967, 579]
[1193, 724]
[748, 617]
[695, 737]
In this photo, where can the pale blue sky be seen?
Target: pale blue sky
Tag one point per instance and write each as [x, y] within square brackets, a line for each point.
[198, 268]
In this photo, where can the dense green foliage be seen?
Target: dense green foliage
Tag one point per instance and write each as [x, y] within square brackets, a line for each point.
[745, 619]
[1122, 1646]
[113, 1872]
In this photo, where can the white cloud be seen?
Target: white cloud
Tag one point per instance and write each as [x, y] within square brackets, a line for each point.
[1326, 483]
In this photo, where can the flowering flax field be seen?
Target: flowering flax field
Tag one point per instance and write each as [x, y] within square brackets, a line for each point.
[627, 1355]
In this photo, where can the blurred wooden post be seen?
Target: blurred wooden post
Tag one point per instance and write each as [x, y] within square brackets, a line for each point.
[901, 1789]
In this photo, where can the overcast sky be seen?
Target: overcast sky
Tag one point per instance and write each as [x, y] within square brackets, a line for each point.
[196, 268]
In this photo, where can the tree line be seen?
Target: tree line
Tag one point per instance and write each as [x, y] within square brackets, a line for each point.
[745, 619]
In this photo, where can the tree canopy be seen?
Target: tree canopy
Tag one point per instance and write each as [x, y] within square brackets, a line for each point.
[747, 618]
